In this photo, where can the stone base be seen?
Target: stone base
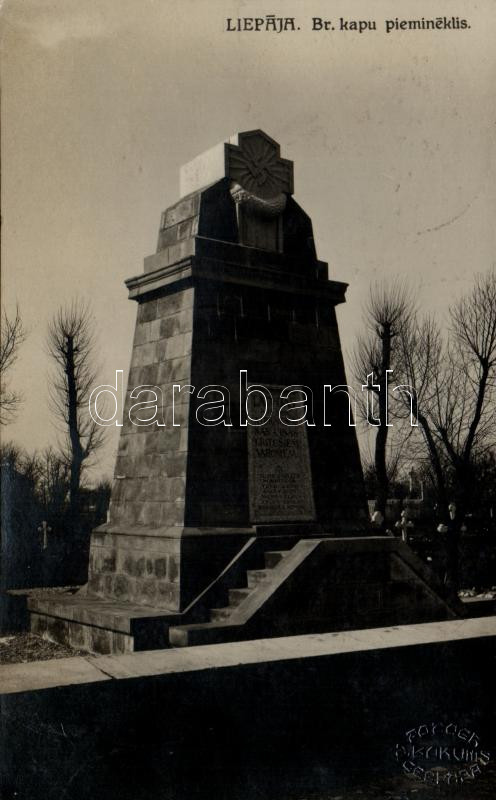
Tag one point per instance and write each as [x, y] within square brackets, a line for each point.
[162, 568]
[168, 568]
[122, 621]
[99, 626]
[322, 585]
[273, 586]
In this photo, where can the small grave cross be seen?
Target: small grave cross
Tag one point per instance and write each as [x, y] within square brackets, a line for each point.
[405, 525]
[45, 529]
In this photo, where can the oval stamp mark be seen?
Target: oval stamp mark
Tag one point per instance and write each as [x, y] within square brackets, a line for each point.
[439, 753]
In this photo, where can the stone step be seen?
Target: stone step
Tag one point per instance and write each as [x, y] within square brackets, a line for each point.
[98, 625]
[236, 596]
[219, 614]
[256, 576]
[273, 557]
[204, 633]
[80, 635]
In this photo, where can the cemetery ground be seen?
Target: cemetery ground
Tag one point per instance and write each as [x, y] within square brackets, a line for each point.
[27, 647]
[24, 647]
[264, 773]
[315, 717]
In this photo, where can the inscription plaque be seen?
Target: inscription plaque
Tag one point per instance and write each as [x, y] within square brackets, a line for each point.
[280, 482]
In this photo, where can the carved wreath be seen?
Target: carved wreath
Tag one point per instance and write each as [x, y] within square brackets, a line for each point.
[264, 208]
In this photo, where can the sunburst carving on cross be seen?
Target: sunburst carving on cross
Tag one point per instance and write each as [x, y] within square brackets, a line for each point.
[256, 165]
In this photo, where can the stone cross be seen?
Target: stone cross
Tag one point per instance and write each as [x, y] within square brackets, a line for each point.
[45, 529]
[255, 164]
[251, 160]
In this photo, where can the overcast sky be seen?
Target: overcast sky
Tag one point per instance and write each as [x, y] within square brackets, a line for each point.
[392, 137]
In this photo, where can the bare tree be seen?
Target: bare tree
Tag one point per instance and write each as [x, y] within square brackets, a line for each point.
[12, 336]
[469, 427]
[421, 366]
[455, 380]
[72, 347]
[46, 472]
[388, 311]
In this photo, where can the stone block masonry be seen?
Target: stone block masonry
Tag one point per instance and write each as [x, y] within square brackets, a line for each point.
[208, 307]
[235, 284]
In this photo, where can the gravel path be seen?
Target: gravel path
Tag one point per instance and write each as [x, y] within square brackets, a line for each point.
[19, 648]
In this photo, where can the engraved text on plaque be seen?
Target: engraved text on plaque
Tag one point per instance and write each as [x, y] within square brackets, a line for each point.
[279, 467]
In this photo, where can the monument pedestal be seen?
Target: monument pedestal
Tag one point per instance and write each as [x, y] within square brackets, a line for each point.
[234, 298]
[278, 585]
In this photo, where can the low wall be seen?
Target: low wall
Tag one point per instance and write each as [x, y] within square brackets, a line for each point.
[278, 718]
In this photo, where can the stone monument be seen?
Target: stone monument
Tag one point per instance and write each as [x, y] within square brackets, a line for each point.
[234, 304]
